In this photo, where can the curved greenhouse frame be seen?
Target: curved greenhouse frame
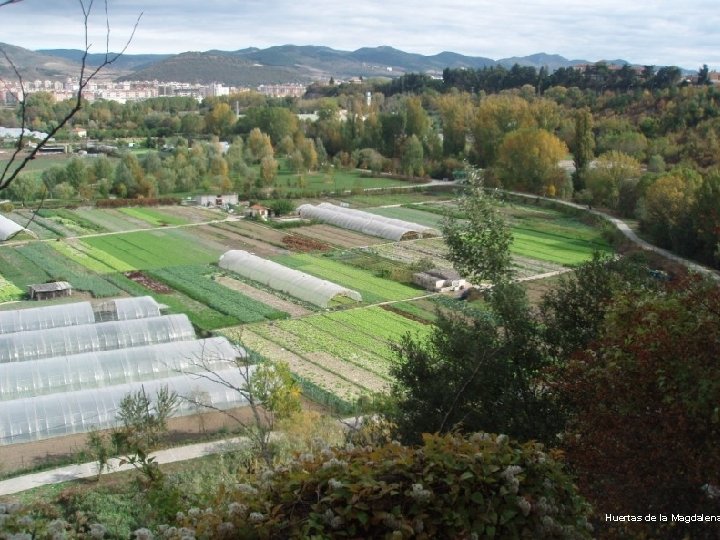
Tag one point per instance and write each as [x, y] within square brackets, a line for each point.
[41, 318]
[423, 229]
[53, 415]
[103, 336]
[8, 228]
[353, 223]
[106, 368]
[77, 313]
[293, 282]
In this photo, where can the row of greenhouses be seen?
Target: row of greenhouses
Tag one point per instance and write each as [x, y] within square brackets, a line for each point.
[65, 368]
[365, 222]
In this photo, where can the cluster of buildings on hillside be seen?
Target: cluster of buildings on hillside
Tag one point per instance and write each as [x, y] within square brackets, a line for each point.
[122, 92]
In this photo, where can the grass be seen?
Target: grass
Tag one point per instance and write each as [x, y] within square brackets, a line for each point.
[337, 180]
[154, 217]
[410, 214]
[202, 316]
[154, 249]
[196, 282]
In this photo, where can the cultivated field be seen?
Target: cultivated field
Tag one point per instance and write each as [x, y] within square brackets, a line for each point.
[338, 355]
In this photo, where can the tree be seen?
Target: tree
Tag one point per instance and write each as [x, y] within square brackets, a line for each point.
[583, 147]
[528, 160]
[495, 117]
[412, 157]
[269, 390]
[10, 171]
[259, 145]
[476, 372]
[666, 209]
[644, 399]
[268, 170]
[144, 419]
[479, 246]
[220, 120]
[614, 172]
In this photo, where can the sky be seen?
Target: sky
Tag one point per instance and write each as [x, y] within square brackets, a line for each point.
[646, 32]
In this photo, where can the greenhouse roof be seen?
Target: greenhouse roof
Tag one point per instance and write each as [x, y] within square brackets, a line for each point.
[8, 228]
[107, 368]
[52, 415]
[364, 222]
[77, 313]
[293, 282]
[425, 230]
[36, 344]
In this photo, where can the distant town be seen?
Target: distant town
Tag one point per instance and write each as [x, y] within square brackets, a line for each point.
[125, 91]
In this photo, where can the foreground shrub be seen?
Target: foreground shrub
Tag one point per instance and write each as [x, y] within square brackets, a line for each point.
[452, 487]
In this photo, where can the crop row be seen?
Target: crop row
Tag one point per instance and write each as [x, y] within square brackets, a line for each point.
[60, 268]
[331, 356]
[372, 288]
[9, 291]
[194, 282]
[312, 339]
[155, 249]
[381, 323]
[153, 217]
[201, 315]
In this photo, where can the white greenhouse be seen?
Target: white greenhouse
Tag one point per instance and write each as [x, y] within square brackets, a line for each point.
[53, 415]
[364, 222]
[77, 313]
[8, 228]
[107, 368]
[65, 368]
[422, 229]
[276, 276]
[36, 344]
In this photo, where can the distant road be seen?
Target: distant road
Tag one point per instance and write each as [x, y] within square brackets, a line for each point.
[625, 229]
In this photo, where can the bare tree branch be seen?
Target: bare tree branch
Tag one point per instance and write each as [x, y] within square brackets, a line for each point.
[15, 165]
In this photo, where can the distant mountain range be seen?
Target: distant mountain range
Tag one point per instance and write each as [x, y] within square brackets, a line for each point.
[252, 66]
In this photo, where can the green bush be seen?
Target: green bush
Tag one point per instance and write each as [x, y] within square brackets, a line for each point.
[452, 487]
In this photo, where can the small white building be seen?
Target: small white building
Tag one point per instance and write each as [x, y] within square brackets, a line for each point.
[440, 280]
[259, 211]
[217, 201]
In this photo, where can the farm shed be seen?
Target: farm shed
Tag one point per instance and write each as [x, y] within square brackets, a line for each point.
[217, 200]
[53, 415]
[36, 344]
[440, 280]
[366, 225]
[293, 282]
[48, 291]
[8, 228]
[106, 368]
[426, 232]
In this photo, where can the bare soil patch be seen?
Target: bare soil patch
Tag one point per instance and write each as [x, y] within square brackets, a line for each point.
[148, 282]
[304, 244]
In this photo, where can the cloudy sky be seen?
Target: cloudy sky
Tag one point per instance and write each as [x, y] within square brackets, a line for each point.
[657, 32]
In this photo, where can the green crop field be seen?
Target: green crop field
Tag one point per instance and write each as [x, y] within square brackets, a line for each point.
[154, 249]
[196, 282]
[373, 289]
[154, 217]
[338, 180]
[410, 214]
[201, 315]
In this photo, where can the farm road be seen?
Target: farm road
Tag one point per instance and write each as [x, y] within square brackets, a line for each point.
[89, 470]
